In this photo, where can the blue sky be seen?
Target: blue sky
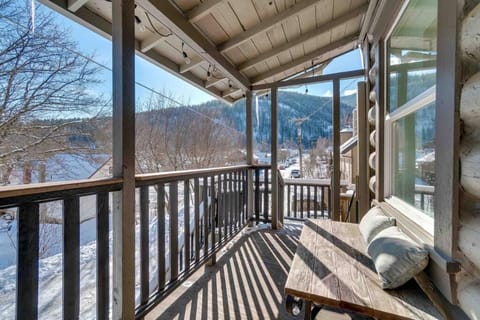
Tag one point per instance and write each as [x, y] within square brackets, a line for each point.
[160, 80]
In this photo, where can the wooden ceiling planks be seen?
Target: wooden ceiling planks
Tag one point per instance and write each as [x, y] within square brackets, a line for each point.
[212, 29]
[225, 20]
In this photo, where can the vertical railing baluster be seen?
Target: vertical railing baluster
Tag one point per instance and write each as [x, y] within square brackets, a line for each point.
[173, 201]
[301, 202]
[245, 196]
[308, 201]
[220, 207]
[205, 216]
[213, 210]
[265, 195]
[237, 202]
[257, 194]
[144, 245]
[239, 198]
[103, 267]
[323, 201]
[289, 213]
[71, 258]
[197, 219]
[186, 223]
[315, 202]
[230, 203]
[161, 235]
[27, 261]
[329, 202]
[295, 201]
[225, 205]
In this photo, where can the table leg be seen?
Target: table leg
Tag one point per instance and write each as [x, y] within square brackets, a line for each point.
[308, 310]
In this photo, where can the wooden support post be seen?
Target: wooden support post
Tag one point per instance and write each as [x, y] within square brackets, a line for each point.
[249, 132]
[362, 188]
[123, 38]
[447, 141]
[274, 163]
[336, 151]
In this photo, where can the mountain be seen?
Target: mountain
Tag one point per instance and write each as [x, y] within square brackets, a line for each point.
[315, 111]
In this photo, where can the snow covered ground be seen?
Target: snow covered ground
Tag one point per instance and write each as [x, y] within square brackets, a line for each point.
[51, 274]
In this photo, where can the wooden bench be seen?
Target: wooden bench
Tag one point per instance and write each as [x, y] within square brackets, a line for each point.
[331, 267]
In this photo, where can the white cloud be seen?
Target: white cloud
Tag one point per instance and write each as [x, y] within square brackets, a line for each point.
[349, 92]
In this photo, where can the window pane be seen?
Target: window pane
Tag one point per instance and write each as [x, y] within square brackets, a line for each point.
[414, 158]
[412, 52]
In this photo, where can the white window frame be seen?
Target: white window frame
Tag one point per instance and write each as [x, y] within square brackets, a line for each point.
[412, 106]
[416, 216]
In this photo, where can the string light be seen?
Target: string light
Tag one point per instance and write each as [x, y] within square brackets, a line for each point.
[209, 74]
[185, 55]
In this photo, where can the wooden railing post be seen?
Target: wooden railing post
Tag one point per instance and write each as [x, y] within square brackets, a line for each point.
[123, 44]
[274, 157]
[249, 133]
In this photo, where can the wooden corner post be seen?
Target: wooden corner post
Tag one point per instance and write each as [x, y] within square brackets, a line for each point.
[336, 151]
[447, 141]
[249, 133]
[123, 45]
[274, 158]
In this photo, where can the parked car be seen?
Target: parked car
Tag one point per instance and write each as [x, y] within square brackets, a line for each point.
[295, 173]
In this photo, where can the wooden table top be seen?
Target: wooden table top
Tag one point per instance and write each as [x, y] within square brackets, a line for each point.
[331, 267]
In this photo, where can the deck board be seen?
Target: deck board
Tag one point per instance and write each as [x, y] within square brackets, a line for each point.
[246, 283]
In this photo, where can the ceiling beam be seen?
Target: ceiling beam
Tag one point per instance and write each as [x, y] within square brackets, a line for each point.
[202, 10]
[194, 62]
[174, 20]
[266, 24]
[150, 42]
[213, 81]
[74, 5]
[304, 38]
[323, 54]
[316, 70]
[367, 20]
[230, 92]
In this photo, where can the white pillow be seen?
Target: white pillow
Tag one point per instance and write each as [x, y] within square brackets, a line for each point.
[373, 222]
[396, 257]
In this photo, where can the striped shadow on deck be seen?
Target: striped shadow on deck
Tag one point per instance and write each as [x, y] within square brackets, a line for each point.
[246, 283]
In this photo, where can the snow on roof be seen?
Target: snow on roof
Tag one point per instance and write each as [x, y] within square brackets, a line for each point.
[429, 157]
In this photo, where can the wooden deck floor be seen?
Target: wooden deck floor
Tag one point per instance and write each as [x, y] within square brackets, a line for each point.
[247, 282]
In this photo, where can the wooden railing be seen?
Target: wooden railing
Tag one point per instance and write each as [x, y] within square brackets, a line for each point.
[262, 193]
[194, 213]
[305, 198]
[425, 197]
[25, 201]
[214, 210]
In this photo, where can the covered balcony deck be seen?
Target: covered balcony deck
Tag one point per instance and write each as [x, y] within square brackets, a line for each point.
[247, 282]
[189, 244]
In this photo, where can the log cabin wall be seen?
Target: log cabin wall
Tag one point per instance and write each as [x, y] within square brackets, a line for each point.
[465, 238]
[469, 232]
[372, 111]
